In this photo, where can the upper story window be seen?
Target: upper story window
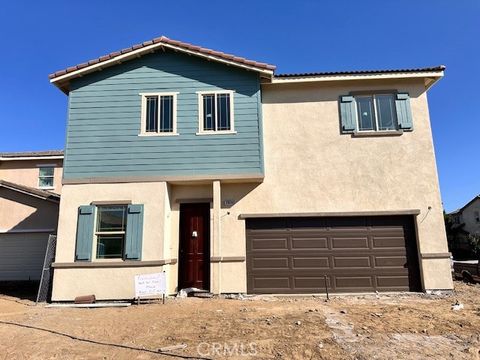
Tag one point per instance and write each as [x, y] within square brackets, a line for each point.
[382, 113]
[216, 112]
[376, 112]
[110, 231]
[476, 215]
[46, 177]
[159, 114]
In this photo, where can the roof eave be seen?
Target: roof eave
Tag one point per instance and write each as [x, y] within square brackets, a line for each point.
[434, 76]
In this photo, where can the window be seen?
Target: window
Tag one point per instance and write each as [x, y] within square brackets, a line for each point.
[45, 177]
[159, 114]
[215, 112]
[110, 231]
[476, 214]
[376, 112]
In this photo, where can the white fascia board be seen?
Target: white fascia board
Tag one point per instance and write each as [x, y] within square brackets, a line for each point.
[301, 79]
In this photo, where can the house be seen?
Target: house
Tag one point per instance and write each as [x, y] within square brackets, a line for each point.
[231, 178]
[30, 185]
[469, 216]
[466, 221]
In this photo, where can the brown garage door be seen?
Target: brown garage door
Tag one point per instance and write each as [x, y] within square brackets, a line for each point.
[292, 255]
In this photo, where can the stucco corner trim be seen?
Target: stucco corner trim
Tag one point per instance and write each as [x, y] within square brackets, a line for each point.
[446, 255]
[324, 214]
[115, 264]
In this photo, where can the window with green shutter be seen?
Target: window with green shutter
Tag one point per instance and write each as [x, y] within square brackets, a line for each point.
[380, 112]
[109, 232]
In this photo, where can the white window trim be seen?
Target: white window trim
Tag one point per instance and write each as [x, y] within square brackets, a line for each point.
[375, 114]
[200, 113]
[95, 239]
[53, 176]
[143, 124]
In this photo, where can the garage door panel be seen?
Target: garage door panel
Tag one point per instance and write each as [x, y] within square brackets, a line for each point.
[390, 261]
[260, 263]
[310, 282]
[269, 243]
[356, 254]
[313, 243]
[346, 262]
[271, 283]
[389, 242]
[310, 262]
[384, 281]
[350, 243]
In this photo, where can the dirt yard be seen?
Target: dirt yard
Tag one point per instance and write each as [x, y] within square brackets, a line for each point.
[356, 327]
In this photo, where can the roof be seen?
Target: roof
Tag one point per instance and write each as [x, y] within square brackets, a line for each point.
[42, 194]
[61, 78]
[159, 42]
[364, 72]
[466, 205]
[30, 154]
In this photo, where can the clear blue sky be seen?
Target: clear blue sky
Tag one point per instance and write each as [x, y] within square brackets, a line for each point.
[39, 37]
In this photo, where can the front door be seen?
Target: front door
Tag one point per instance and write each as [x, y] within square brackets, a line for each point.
[194, 257]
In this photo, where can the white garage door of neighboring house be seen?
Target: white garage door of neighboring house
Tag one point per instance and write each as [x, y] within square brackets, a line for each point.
[22, 255]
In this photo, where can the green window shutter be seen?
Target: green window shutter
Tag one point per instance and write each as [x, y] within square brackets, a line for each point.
[85, 224]
[404, 111]
[348, 116]
[133, 238]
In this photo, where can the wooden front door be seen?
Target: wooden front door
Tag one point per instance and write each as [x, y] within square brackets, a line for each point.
[194, 257]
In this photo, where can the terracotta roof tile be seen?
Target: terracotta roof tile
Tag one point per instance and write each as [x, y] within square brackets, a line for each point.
[32, 154]
[361, 72]
[163, 39]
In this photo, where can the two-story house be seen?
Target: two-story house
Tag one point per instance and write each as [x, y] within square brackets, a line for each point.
[30, 186]
[231, 178]
[466, 221]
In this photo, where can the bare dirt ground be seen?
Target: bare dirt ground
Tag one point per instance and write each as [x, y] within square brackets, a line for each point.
[397, 326]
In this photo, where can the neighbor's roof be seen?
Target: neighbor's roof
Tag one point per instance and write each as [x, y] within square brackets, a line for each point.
[364, 72]
[42, 194]
[31, 155]
[466, 205]
[159, 42]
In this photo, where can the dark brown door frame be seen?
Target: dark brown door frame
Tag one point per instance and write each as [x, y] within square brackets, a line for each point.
[194, 246]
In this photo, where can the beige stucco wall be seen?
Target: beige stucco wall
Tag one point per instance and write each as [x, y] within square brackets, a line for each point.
[21, 212]
[470, 219]
[25, 172]
[309, 167]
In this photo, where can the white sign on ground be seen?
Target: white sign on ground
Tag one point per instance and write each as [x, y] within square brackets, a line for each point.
[150, 285]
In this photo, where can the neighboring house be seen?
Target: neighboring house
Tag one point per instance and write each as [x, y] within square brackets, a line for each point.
[466, 221]
[233, 179]
[469, 216]
[30, 184]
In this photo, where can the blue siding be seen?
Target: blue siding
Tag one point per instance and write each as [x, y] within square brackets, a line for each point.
[104, 121]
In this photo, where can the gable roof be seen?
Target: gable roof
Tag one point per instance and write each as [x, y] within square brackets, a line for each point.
[148, 46]
[31, 155]
[466, 205]
[38, 193]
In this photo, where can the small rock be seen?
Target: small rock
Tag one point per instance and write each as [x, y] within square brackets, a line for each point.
[424, 331]
[298, 322]
[343, 311]
[364, 328]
